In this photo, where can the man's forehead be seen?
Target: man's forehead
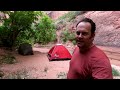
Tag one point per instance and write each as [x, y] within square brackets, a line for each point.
[84, 24]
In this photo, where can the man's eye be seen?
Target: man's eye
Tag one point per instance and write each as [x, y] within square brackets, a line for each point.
[84, 33]
[78, 33]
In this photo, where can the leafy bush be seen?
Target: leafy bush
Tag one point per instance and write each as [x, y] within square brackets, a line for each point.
[74, 42]
[42, 31]
[45, 30]
[69, 16]
[25, 37]
[21, 74]
[115, 72]
[8, 59]
[66, 35]
[62, 75]
[1, 74]
[16, 22]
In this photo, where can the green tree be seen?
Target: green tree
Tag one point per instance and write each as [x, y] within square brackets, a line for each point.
[45, 30]
[16, 22]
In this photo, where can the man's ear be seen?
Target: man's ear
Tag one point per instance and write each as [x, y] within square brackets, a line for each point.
[92, 36]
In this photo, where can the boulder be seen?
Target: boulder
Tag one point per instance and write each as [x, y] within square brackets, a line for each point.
[25, 49]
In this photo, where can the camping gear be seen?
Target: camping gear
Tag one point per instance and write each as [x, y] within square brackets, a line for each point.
[59, 52]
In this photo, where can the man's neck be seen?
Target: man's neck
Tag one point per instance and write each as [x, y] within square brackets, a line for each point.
[83, 50]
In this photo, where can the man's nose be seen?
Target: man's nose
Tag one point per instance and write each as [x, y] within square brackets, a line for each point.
[80, 35]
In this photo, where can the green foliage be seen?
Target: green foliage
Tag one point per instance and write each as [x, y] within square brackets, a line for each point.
[4, 36]
[1, 73]
[66, 18]
[21, 74]
[45, 30]
[66, 35]
[69, 16]
[115, 72]
[25, 37]
[16, 22]
[41, 32]
[8, 59]
[74, 42]
[62, 75]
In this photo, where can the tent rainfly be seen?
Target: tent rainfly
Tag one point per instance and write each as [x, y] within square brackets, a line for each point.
[59, 52]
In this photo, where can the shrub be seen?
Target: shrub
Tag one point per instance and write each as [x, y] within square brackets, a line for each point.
[115, 72]
[16, 22]
[62, 75]
[70, 15]
[67, 36]
[25, 37]
[45, 30]
[21, 74]
[74, 42]
[8, 59]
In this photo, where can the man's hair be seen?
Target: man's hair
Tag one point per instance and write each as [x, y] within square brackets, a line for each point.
[93, 25]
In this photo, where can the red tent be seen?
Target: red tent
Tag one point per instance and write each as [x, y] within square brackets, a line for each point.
[58, 52]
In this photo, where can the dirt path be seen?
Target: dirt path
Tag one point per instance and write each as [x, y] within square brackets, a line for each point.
[39, 67]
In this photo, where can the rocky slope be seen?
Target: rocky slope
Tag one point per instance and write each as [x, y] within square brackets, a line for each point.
[107, 26]
[56, 14]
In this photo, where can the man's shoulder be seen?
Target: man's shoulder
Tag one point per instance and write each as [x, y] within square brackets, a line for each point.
[97, 50]
[98, 53]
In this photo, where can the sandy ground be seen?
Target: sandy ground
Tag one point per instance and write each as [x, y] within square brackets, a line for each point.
[39, 67]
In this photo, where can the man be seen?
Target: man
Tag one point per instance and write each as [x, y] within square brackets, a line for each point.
[88, 61]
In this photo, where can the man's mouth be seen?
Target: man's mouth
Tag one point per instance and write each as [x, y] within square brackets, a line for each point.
[79, 41]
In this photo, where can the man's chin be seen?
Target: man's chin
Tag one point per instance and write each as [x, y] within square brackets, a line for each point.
[80, 45]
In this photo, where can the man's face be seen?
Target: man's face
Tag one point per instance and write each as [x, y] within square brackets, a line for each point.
[84, 37]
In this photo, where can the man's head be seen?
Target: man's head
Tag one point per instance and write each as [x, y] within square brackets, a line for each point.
[85, 32]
